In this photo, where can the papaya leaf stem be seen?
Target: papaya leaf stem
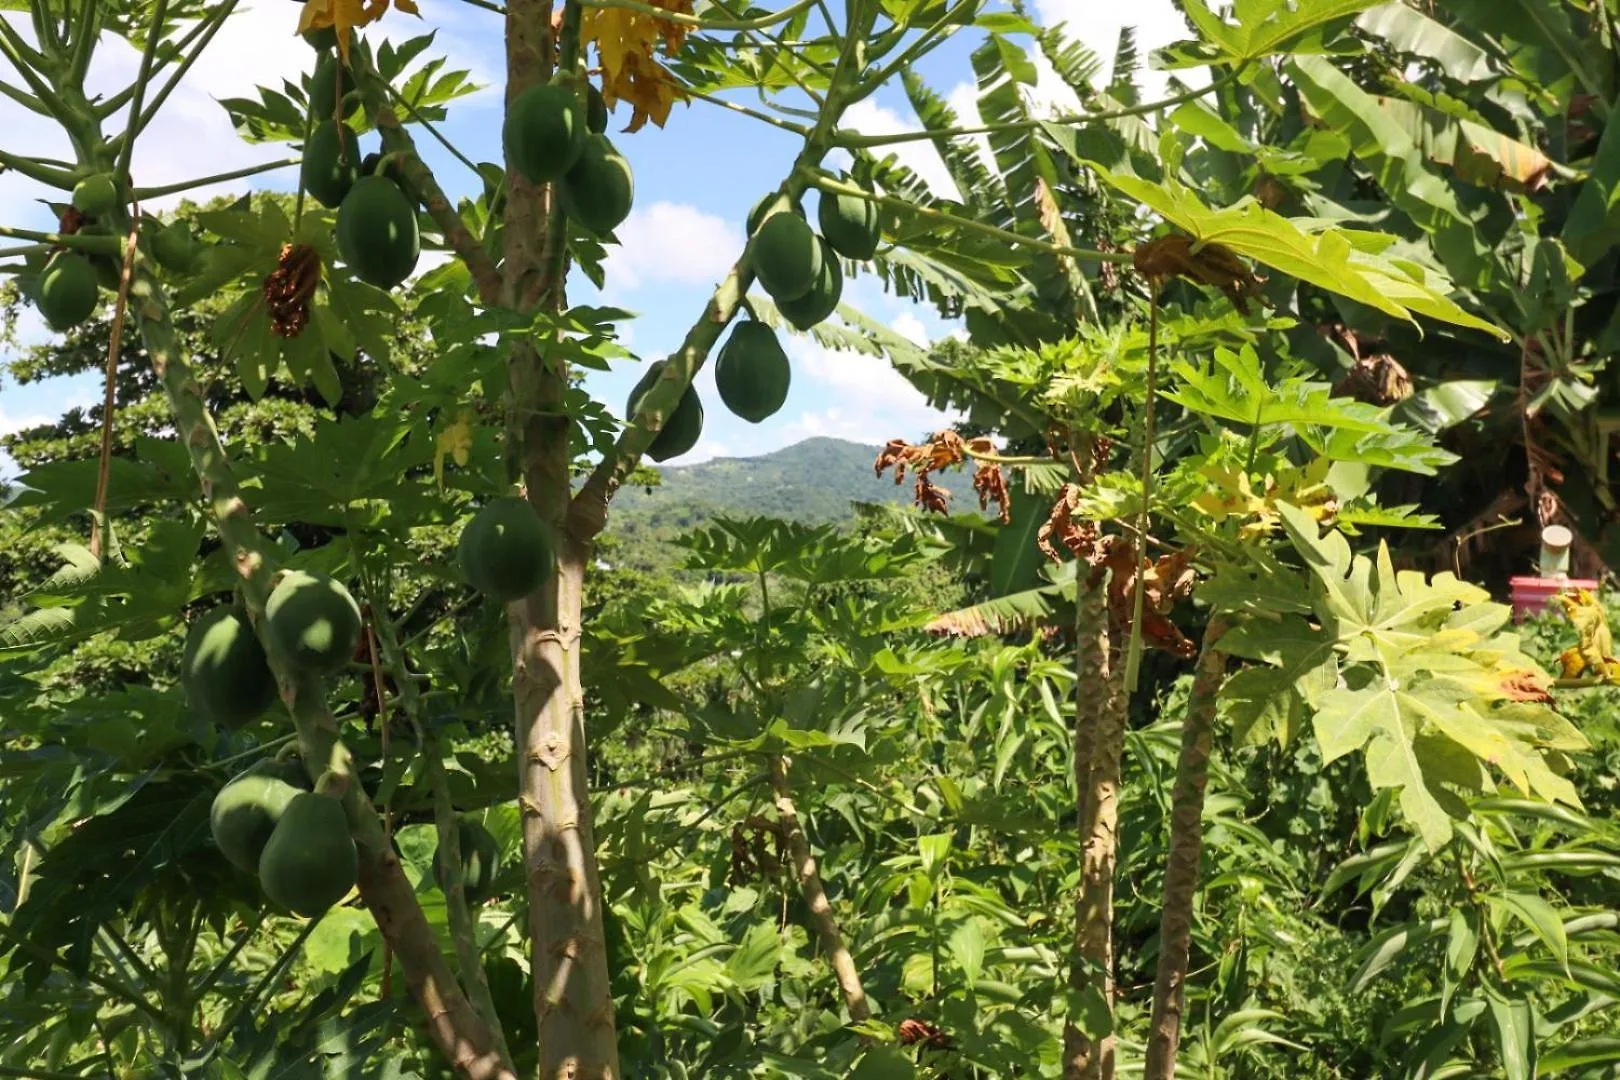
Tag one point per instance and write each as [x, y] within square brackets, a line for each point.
[139, 120]
[763, 117]
[147, 193]
[143, 75]
[838, 187]
[90, 244]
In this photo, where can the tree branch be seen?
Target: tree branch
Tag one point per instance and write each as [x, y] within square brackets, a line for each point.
[470, 249]
[822, 916]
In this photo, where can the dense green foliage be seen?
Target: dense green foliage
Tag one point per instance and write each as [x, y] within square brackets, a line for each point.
[819, 789]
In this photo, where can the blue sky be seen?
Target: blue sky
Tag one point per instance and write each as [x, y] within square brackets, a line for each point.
[695, 181]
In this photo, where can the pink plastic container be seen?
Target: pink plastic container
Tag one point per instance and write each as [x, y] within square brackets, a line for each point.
[1531, 595]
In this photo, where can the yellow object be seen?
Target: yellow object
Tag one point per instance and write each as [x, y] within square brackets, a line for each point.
[346, 16]
[1594, 653]
[625, 41]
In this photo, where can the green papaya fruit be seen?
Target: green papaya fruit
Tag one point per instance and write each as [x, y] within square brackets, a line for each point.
[174, 248]
[377, 232]
[480, 859]
[246, 810]
[331, 78]
[108, 270]
[544, 132]
[599, 190]
[506, 551]
[786, 256]
[850, 224]
[313, 621]
[369, 167]
[95, 195]
[66, 292]
[331, 162]
[757, 214]
[752, 372]
[309, 863]
[822, 299]
[681, 428]
[596, 110]
[224, 671]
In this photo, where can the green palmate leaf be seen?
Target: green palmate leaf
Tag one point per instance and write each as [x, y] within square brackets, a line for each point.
[1429, 688]
[1338, 260]
[1265, 27]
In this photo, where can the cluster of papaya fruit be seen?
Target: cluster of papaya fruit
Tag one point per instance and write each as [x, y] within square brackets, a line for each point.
[68, 286]
[377, 233]
[801, 272]
[268, 821]
[551, 136]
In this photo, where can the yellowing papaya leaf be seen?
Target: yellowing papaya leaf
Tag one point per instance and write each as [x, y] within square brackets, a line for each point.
[1331, 258]
[347, 16]
[454, 441]
[1594, 652]
[1432, 693]
[626, 43]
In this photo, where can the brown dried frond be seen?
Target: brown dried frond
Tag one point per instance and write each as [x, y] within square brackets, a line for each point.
[1168, 579]
[289, 287]
[915, 1031]
[930, 496]
[72, 220]
[1212, 264]
[1377, 379]
[990, 484]
[1079, 537]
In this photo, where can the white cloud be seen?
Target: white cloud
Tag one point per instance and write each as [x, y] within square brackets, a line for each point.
[673, 243]
[877, 403]
[910, 327]
[870, 118]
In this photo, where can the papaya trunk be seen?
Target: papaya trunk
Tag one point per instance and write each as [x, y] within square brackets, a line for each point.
[573, 1004]
[1181, 863]
[1098, 741]
[460, 1033]
[822, 916]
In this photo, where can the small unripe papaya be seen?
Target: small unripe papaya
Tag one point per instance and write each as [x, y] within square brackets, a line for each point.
[757, 214]
[822, 299]
[681, 428]
[377, 232]
[599, 190]
[66, 292]
[850, 224]
[224, 670]
[313, 621]
[174, 248]
[245, 811]
[752, 372]
[332, 78]
[331, 162]
[596, 110]
[95, 195]
[786, 256]
[506, 551]
[310, 862]
[544, 132]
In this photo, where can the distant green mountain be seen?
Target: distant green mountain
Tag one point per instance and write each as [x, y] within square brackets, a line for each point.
[813, 481]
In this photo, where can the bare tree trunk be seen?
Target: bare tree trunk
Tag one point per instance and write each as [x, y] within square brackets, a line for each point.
[573, 1001]
[821, 912]
[1181, 863]
[1098, 739]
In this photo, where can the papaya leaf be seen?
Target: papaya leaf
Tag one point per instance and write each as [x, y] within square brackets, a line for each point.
[1331, 258]
[1262, 28]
